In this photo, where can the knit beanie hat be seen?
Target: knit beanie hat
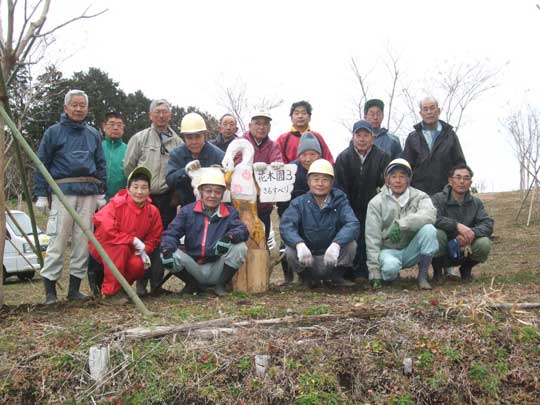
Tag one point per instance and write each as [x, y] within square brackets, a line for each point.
[308, 141]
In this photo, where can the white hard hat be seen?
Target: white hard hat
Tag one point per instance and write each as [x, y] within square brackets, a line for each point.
[192, 123]
[322, 166]
[398, 163]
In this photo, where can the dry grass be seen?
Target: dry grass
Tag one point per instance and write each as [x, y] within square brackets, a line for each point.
[463, 350]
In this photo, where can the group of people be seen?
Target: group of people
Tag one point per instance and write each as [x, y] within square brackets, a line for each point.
[374, 211]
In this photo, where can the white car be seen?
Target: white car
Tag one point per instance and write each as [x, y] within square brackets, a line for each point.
[19, 258]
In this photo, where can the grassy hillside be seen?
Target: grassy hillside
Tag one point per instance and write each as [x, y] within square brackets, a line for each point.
[333, 347]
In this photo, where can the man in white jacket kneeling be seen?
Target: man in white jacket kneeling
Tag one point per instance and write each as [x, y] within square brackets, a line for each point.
[399, 228]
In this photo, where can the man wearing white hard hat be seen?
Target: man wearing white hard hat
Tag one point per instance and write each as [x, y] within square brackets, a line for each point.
[400, 230]
[196, 152]
[320, 230]
[214, 246]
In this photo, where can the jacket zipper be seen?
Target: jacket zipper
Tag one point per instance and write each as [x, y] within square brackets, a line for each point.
[203, 242]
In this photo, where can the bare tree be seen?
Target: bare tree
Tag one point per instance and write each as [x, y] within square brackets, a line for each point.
[236, 100]
[394, 114]
[524, 130]
[461, 85]
[24, 39]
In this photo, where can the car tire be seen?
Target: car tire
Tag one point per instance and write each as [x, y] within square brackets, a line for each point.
[27, 275]
[4, 276]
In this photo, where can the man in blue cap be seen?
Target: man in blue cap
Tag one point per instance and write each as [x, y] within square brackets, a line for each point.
[359, 173]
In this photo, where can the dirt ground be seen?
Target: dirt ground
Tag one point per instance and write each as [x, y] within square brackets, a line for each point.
[326, 347]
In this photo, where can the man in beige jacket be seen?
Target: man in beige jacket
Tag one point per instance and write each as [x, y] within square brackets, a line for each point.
[399, 228]
[151, 148]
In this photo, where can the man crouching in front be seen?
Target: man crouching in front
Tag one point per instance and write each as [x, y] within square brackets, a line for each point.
[214, 244]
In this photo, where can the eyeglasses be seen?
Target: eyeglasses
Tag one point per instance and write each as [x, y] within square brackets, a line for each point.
[161, 112]
[115, 124]
[460, 178]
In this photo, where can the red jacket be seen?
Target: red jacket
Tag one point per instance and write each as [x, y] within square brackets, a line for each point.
[121, 220]
[288, 143]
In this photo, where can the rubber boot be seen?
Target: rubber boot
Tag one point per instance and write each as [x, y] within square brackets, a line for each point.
[140, 286]
[226, 275]
[466, 269]
[308, 279]
[438, 265]
[423, 267]
[73, 291]
[95, 276]
[191, 284]
[288, 274]
[337, 277]
[50, 291]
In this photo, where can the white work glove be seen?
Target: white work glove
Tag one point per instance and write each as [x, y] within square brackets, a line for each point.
[101, 201]
[331, 255]
[139, 246]
[192, 166]
[277, 165]
[42, 205]
[146, 260]
[259, 166]
[304, 255]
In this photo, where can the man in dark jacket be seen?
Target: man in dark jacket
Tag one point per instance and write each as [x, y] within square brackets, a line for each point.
[72, 153]
[197, 152]
[359, 173]
[432, 149]
[463, 225]
[387, 142]
[227, 132]
[320, 230]
[309, 150]
[214, 242]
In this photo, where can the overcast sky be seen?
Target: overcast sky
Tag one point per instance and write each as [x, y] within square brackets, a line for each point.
[293, 50]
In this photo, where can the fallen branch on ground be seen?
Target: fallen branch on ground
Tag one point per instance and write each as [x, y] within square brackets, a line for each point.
[158, 331]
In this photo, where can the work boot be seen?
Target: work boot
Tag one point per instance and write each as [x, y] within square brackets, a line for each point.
[337, 277]
[226, 275]
[438, 264]
[423, 267]
[50, 291]
[73, 291]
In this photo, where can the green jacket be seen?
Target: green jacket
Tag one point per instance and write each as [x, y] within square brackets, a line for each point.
[115, 152]
[383, 210]
[470, 213]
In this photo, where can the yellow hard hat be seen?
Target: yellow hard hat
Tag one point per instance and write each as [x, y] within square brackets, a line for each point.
[401, 163]
[212, 176]
[192, 123]
[322, 166]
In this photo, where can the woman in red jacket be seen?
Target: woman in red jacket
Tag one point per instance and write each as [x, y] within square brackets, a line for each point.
[129, 228]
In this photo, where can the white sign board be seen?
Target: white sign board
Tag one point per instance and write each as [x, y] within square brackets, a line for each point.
[276, 185]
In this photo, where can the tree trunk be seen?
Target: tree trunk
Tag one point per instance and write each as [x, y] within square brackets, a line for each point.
[2, 210]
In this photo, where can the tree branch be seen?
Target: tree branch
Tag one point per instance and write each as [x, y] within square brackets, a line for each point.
[83, 16]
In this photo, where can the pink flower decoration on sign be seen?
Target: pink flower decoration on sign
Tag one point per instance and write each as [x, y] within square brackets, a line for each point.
[246, 174]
